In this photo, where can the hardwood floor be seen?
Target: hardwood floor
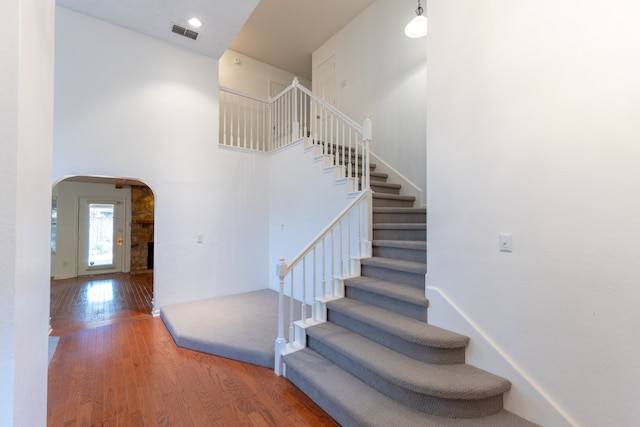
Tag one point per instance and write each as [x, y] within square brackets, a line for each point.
[93, 301]
[120, 367]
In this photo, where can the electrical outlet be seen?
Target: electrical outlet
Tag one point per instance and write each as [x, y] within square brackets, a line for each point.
[505, 242]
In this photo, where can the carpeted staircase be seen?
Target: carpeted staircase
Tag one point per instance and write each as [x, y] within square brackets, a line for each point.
[376, 361]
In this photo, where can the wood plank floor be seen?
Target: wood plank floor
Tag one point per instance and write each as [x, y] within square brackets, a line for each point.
[124, 369]
[92, 301]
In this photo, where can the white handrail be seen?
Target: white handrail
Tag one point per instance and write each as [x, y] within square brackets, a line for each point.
[293, 113]
[328, 106]
[242, 94]
[325, 231]
[355, 218]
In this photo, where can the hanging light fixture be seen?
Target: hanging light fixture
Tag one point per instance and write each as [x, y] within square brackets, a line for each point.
[418, 25]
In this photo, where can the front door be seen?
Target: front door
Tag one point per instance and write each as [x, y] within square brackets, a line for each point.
[101, 232]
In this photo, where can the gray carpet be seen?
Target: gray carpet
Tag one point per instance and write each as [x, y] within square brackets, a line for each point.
[53, 344]
[241, 327]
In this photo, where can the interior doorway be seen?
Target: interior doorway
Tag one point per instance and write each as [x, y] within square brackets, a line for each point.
[101, 226]
[102, 241]
[101, 233]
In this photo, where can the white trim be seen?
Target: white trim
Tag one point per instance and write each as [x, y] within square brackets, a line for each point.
[512, 363]
[408, 187]
[244, 149]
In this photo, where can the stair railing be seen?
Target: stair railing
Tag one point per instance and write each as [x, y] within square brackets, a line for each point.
[317, 273]
[248, 122]
[244, 120]
[315, 276]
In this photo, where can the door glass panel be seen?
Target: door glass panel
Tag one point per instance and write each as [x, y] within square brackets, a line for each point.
[100, 234]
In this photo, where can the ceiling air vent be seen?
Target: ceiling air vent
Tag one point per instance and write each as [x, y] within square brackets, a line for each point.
[184, 32]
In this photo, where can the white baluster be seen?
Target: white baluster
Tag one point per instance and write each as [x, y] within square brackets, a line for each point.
[291, 301]
[304, 290]
[237, 143]
[251, 124]
[349, 248]
[280, 343]
[314, 312]
[323, 266]
[224, 118]
[366, 139]
[333, 269]
[295, 119]
[341, 252]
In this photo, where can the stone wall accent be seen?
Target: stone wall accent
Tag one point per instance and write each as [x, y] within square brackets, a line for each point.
[141, 226]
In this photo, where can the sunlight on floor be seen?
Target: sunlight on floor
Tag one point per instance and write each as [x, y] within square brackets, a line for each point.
[100, 291]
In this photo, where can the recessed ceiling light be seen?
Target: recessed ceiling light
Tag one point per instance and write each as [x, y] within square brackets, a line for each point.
[195, 23]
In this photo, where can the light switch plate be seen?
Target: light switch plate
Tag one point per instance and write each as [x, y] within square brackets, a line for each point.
[505, 242]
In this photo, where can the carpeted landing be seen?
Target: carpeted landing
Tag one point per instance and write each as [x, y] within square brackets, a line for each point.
[242, 327]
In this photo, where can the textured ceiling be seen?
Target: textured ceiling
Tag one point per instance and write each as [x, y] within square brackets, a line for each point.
[283, 33]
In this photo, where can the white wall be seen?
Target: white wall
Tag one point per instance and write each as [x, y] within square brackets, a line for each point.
[130, 106]
[251, 76]
[304, 197]
[533, 129]
[65, 261]
[26, 127]
[380, 72]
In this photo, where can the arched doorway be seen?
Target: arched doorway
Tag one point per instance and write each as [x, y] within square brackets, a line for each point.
[102, 237]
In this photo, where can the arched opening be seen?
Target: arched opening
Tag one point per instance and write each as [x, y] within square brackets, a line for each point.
[102, 246]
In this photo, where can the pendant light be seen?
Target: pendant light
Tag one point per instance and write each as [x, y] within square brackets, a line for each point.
[418, 25]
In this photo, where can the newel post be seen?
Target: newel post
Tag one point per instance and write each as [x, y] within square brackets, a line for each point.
[295, 132]
[367, 129]
[281, 343]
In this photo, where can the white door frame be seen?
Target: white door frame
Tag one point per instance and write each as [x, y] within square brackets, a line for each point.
[120, 236]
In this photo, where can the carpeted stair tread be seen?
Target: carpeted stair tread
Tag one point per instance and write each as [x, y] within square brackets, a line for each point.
[399, 226]
[393, 197]
[395, 264]
[387, 185]
[399, 214]
[401, 210]
[353, 403]
[406, 293]
[404, 327]
[381, 177]
[417, 245]
[455, 382]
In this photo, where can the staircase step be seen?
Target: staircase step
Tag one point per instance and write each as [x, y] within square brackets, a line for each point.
[378, 176]
[408, 250]
[394, 270]
[385, 187]
[392, 200]
[353, 403]
[456, 391]
[410, 337]
[396, 297]
[400, 231]
[399, 214]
